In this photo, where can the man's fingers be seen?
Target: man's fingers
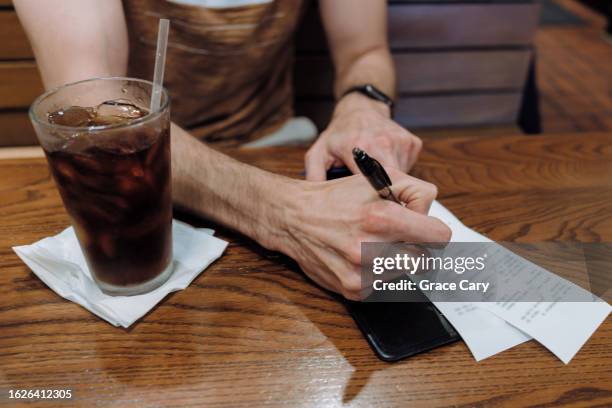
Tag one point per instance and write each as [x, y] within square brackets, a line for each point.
[345, 277]
[346, 157]
[388, 160]
[316, 162]
[415, 227]
[413, 152]
[392, 222]
[417, 194]
[384, 154]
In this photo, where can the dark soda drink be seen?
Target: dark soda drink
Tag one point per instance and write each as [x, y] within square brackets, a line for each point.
[110, 158]
[117, 191]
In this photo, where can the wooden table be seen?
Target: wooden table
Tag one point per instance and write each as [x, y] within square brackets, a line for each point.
[251, 332]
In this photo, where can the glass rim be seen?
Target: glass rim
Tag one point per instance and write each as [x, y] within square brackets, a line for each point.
[90, 129]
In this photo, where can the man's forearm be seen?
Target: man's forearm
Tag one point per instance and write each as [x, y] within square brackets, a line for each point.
[234, 194]
[373, 67]
[357, 36]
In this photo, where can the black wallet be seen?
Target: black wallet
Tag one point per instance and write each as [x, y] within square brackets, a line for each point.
[396, 330]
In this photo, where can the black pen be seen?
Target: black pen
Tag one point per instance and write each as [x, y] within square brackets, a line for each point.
[375, 173]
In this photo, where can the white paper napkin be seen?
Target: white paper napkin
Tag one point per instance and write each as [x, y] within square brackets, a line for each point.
[58, 261]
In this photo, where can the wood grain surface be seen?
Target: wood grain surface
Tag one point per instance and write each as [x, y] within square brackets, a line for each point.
[251, 331]
[427, 72]
[458, 63]
[20, 84]
[420, 25]
[574, 73]
[16, 128]
[427, 111]
[13, 42]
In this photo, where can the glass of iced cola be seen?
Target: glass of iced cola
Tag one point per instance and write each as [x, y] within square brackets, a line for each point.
[110, 158]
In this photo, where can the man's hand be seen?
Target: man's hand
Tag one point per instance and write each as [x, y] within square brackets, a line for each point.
[357, 36]
[328, 222]
[361, 122]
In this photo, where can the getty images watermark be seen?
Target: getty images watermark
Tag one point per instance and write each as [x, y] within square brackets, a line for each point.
[486, 272]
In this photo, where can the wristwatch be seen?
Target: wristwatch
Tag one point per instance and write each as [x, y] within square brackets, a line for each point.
[372, 92]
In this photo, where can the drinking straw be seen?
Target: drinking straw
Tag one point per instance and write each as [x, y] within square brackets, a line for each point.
[160, 63]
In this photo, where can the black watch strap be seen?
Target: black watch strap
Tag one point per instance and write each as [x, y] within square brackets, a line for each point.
[371, 92]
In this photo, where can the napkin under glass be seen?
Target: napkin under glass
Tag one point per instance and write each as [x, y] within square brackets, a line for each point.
[59, 262]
